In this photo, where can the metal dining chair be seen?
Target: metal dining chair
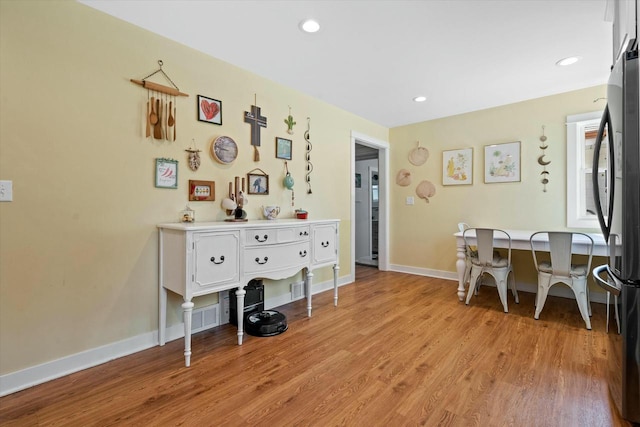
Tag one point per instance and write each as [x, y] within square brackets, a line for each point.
[561, 269]
[488, 261]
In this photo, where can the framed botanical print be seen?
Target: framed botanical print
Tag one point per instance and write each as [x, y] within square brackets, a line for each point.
[457, 167]
[502, 162]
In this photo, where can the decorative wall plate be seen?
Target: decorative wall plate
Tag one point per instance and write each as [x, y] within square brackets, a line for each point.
[224, 149]
[403, 178]
[419, 155]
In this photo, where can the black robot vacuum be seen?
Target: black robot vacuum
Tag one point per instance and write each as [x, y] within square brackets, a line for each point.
[266, 323]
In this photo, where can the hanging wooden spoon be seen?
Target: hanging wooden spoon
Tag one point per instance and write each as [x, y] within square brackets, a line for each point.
[157, 127]
[175, 124]
[170, 122]
[148, 133]
[153, 118]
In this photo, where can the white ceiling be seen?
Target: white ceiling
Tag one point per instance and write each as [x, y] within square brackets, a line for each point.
[373, 57]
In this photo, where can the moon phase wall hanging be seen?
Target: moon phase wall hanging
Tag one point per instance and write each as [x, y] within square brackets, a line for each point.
[161, 106]
[542, 162]
[256, 121]
[307, 138]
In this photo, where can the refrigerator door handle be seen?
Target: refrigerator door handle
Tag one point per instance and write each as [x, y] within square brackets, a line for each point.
[605, 224]
[612, 284]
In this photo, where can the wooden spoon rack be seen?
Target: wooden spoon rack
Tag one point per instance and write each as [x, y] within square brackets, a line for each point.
[161, 113]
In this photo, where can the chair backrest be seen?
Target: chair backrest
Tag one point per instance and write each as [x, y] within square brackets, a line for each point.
[484, 238]
[560, 250]
[462, 226]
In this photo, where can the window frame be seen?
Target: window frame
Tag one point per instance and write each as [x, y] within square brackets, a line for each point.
[576, 188]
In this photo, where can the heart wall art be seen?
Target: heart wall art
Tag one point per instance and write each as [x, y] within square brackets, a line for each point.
[209, 110]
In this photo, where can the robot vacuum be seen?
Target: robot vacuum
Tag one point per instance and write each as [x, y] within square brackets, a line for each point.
[265, 323]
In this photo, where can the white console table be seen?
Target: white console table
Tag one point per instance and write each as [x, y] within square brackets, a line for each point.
[202, 258]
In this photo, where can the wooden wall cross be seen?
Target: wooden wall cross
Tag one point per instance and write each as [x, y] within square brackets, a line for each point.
[256, 121]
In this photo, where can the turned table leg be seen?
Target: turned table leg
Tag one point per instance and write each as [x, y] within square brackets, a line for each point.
[309, 280]
[240, 293]
[187, 310]
[461, 267]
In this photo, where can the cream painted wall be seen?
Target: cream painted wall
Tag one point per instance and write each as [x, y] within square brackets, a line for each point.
[421, 235]
[78, 245]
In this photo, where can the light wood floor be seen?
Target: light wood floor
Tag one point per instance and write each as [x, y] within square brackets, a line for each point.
[399, 350]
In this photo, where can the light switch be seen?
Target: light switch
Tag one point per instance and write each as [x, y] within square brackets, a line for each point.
[409, 200]
[6, 191]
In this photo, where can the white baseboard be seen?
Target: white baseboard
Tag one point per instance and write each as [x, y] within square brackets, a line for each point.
[557, 291]
[29, 377]
[32, 376]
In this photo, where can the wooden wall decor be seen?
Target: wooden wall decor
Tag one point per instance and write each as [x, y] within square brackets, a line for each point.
[161, 106]
[257, 121]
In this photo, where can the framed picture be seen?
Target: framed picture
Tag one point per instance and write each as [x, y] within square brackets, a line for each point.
[502, 162]
[202, 191]
[283, 148]
[258, 183]
[166, 173]
[457, 167]
[209, 110]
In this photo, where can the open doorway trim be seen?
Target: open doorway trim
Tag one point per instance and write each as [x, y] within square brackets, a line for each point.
[383, 202]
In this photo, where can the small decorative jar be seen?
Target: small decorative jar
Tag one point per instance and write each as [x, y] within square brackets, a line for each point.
[188, 215]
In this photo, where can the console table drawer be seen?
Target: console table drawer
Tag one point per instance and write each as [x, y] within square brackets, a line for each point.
[216, 257]
[263, 236]
[257, 260]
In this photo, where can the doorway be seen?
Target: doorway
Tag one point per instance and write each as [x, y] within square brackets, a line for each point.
[369, 206]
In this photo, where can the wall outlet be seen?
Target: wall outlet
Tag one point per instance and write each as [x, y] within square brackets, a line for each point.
[6, 191]
[409, 200]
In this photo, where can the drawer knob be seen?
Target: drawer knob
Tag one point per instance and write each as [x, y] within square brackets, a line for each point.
[262, 262]
[264, 239]
[303, 253]
[213, 260]
[325, 244]
[304, 233]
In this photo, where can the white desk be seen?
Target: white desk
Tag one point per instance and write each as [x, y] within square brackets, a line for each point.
[520, 241]
[202, 258]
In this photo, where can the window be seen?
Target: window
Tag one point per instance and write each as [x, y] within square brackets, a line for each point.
[581, 136]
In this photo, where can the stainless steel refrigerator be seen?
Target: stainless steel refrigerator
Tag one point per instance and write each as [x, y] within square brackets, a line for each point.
[620, 224]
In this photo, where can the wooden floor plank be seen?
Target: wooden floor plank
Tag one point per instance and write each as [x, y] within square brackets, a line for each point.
[398, 350]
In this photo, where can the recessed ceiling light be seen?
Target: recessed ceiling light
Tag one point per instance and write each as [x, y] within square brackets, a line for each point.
[309, 26]
[420, 98]
[568, 61]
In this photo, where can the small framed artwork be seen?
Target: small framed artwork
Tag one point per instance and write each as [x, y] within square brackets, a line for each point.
[502, 162]
[283, 148]
[201, 191]
[166, 173]
[209, 110]
[457, 167]
[358, 180]
[258, 182]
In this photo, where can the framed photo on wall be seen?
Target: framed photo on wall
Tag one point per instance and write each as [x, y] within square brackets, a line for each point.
[200, 191]
[166, 173]
[209, 110]
[258, 183]
[283, 148]
[502, 162]
[457, 167]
